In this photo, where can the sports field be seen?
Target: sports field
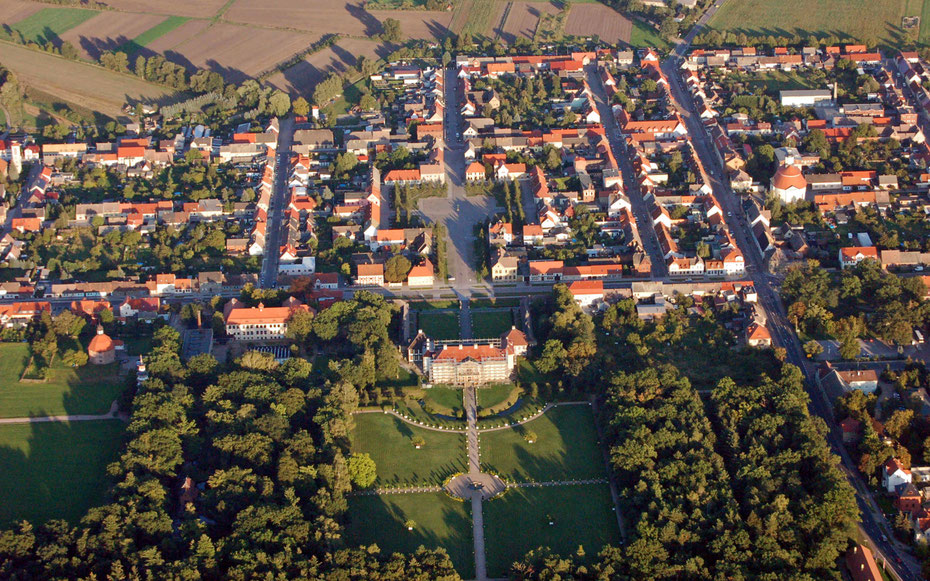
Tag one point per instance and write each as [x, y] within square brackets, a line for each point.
[398, 462]
[87, 390]
[565, 448]
[864, 20]
[560, 517]
[55, 470]
[440, 522]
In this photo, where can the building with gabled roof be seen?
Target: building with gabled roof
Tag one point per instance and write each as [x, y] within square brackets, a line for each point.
[261, 323]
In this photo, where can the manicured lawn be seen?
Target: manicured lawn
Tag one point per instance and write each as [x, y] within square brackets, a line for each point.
[446, 400]
[55, 470]
[441, 326]
[518, 522]
[86, 390]
[427, 305]
[491, 324]
[492, 395]
[877, 20]
[388, 440]
[565, 449]
[49, 23]
[440, 522]
[645, 36]
[490, 303]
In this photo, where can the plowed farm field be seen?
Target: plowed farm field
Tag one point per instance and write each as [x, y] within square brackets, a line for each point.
[523, 18]
[14, 10]
[302, 77]
[326, 16]
[109, 30]
[195, 8]
[168, 41]
[600, 20]
[240, 52]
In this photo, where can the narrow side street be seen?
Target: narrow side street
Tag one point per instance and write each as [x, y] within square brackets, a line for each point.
[269, 272]
[647, 235]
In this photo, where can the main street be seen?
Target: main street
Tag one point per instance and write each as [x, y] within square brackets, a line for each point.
[874, 525]
[269, 272]
[457, 211]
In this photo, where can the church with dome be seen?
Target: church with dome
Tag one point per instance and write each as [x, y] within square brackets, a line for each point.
[788, 183]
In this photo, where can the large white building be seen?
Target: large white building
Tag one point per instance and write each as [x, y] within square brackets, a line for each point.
[260, 323]
[461, 365]
[806, 97]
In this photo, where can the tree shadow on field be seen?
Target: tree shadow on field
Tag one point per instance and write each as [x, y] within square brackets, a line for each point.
[372, 25]
[402, 427]
[375, 520]
[229, 74]
[62, 474]
[344, 59]
[437, 31]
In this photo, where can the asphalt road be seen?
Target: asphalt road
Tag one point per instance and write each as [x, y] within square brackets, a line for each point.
[269, 272]
[647, 234]
[458, 212]
[873, 522]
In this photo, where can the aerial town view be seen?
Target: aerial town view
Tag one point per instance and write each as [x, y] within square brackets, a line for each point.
[465, 289]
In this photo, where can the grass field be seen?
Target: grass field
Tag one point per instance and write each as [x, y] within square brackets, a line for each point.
[440, 326]
[440, 522]
[566, 448]
[150, 35]
[782, 80]
[87, 390]
[55, 470]
[518, 522]
[924, 37]
[643, 35]
[48, 23]
[481, 16]
[490, 325]
[843, 18]
[388, 440]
